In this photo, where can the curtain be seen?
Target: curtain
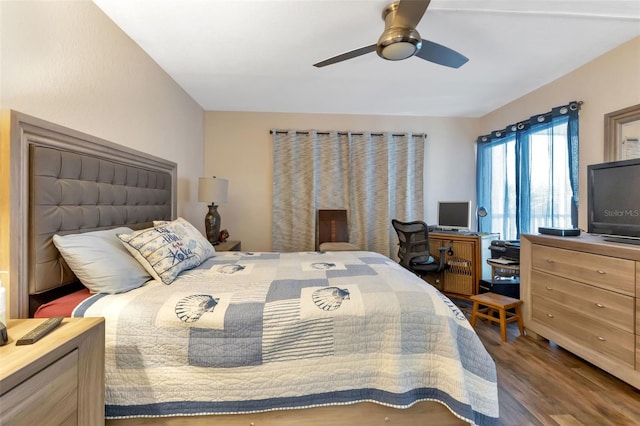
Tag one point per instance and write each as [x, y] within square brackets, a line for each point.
[374, 176]
[527, 173]
[496, 185]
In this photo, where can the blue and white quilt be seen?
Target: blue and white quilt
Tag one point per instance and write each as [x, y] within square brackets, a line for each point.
[250, 332]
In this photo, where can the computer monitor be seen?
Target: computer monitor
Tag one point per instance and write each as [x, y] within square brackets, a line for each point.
[454, 215]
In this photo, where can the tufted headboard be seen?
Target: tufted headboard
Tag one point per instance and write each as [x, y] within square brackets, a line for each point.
[71, 182]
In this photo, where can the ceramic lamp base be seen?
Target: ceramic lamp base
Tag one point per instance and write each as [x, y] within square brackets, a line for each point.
[212, 224]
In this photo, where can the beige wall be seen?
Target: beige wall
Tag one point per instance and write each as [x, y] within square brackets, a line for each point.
[608, 83]
[238, 145]
[66, 62]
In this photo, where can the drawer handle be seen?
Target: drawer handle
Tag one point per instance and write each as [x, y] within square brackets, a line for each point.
[599, 305]
[548, 288]
[550, 315]
[602, 339]
[550, 261]
[601, 272]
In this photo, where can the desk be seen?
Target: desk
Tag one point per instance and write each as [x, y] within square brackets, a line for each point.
[467, 263]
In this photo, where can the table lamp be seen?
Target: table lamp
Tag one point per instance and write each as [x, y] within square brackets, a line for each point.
[481, 212]
[212, 190]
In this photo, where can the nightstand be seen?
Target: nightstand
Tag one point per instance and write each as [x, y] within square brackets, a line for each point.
[57, 380]
[228, 246]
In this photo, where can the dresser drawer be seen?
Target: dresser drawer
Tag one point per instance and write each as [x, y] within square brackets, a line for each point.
[599, 305]
[50, 397]
[638, 354]
[638, 320]
[594, 335]
[607, 272]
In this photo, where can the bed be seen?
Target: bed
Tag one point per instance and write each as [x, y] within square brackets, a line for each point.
[235, 337]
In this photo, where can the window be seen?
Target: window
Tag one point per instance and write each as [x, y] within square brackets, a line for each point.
[527, 174]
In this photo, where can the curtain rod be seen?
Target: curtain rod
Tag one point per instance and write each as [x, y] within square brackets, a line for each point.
[535, 119]
[300, 132]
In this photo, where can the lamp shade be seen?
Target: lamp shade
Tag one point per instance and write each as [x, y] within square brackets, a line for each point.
[212, 190]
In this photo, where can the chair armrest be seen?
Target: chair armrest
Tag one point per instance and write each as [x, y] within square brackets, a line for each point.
[447, 249]
[444, 251]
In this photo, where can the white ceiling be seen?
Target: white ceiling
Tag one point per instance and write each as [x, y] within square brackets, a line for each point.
[239, 55]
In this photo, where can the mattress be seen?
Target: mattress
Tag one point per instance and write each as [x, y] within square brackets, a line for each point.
[250, 332]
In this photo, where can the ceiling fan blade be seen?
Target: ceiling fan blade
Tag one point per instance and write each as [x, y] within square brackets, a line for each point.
[439, 54]
[410, 13]
[348, 55]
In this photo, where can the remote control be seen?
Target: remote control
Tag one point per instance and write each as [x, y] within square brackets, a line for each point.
[40, 331]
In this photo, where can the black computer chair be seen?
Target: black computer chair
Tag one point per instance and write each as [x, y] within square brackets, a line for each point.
[414, 252]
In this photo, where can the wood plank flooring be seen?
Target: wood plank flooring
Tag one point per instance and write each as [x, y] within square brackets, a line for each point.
[539, 383]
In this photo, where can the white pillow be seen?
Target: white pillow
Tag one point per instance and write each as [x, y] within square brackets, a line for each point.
[100, 261]
[198, 244]
[161, 252]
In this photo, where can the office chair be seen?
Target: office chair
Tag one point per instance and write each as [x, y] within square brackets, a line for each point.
[414, 252]
[332, 231]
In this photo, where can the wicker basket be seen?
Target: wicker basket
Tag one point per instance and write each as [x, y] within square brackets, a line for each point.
[458, 278]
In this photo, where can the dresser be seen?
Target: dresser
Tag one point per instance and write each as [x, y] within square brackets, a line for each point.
[584, 294]
[467, 261]
[57, 380]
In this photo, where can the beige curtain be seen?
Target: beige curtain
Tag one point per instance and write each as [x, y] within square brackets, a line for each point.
[375, 176]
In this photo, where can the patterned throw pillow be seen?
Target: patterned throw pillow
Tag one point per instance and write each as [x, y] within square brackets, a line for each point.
[161, 252]
[198, 244]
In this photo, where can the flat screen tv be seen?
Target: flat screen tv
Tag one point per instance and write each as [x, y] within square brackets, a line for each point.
[455, 215]
[614, 200]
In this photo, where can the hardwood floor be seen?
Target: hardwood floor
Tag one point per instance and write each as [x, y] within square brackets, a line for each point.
[539, 383]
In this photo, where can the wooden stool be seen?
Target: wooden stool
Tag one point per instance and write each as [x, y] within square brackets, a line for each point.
[500, 303]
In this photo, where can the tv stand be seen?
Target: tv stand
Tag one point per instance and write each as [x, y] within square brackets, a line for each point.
[583, 294]
[467, 262]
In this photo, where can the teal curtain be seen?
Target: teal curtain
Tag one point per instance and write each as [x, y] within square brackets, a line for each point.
[527, 173]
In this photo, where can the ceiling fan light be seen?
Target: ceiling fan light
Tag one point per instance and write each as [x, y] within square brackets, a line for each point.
[398, 51]
[396, 43]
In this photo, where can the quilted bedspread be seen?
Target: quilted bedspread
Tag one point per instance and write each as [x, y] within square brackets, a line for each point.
[250, 332]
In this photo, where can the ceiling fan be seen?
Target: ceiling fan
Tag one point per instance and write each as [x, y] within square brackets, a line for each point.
[400, 40]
